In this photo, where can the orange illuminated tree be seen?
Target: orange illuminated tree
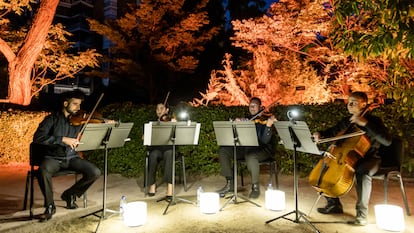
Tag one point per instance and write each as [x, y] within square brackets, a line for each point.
[292, 60]
[33, 53]
[156, 40]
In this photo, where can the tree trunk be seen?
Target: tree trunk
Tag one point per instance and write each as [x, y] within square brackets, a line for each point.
[20, 67]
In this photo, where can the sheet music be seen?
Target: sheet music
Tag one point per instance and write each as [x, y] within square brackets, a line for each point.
[160, 133]
[302, 131]
[147, 134]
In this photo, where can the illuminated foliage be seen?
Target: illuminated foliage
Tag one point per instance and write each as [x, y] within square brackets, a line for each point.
[382, 31]
[156, 38]
[33, 52]
[294, 60]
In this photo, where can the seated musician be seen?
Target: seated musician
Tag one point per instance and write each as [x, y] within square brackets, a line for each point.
[61, 139]
[366, 166]
[158, 154]
[252, 155]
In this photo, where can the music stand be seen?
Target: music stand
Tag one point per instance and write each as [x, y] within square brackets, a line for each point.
[104, 136]
[236, 133]
[172, 133]
[296, 136]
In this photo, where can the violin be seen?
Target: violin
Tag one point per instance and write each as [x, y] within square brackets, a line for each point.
[263, 115]
[81, 118]
[261, 120]
[166, 117]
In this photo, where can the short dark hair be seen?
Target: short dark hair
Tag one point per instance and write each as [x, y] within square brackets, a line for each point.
[360, 95]
[75, 94]
[257, 99]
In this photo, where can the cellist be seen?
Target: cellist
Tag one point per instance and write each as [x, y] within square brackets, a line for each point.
[366, 166]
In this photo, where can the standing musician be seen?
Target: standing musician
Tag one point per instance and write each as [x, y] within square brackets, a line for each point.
[160, 153]
[365, 167]
[59, 138]
[252, 155]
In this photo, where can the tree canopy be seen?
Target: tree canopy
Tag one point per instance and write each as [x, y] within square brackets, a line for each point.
[156, 39]
[35, 51]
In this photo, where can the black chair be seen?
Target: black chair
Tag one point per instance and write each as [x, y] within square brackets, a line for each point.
[271, 163]
[392, 158]
[179, 160]
[36, 158]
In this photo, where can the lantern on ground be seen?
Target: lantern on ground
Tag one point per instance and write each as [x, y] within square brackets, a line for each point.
[209, 202]
[389, 217]
[135, 214]
[275, 199]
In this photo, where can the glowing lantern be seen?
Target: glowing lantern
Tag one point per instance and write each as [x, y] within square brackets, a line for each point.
[389, 217]
[209, 203]
[135, 214]
[275, 199]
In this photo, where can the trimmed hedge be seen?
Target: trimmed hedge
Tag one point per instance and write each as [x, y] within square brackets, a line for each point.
[203, 158]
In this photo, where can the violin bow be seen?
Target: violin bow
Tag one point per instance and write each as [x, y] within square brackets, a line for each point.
[90, 115]
[165, 102]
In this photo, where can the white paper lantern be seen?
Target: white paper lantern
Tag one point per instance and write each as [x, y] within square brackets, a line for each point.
[275, 199]
[209, 203]
[389, 217]
[135, 214]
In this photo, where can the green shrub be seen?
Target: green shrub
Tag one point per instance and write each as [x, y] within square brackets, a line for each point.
[18, 128]
[203, 158]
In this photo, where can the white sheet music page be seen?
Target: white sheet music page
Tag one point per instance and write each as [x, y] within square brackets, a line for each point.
[197, 133]
[147, 134]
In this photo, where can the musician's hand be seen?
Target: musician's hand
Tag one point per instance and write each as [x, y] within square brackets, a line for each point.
[329, 155]
[316, 136]
[359, 120]
[109, 121]
[270, 121]
[72, 142]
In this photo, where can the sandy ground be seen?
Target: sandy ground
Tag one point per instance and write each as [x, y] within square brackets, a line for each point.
[185, 216]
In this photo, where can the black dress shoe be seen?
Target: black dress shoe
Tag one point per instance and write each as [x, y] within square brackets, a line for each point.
[49, 212]
[255, 193]
[331, 209]
[70, 200]
[229, 187]
[151, 194]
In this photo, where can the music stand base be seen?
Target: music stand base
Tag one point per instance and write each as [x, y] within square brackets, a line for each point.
[102, 216]
[296, 220]
[234, 199]
[174, 201]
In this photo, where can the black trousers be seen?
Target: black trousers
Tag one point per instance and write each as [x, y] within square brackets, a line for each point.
[158, 154]
[252, 156]
[90, 173]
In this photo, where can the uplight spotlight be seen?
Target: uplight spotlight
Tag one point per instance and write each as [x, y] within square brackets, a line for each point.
[293, 114]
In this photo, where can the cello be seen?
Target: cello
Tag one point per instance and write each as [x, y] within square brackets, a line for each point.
[333, 175]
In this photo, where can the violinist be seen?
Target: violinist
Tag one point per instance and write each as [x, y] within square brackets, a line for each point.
[366, 166]
[159, 154]
[251, 154]
[59, 137]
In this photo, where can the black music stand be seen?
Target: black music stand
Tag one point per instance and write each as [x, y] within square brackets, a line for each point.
[295, 135]
[236, 133]
[104, 136]
[172, 133]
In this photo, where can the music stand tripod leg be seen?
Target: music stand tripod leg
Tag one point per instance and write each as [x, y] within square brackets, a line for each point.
[298, 214]
[174, 198]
